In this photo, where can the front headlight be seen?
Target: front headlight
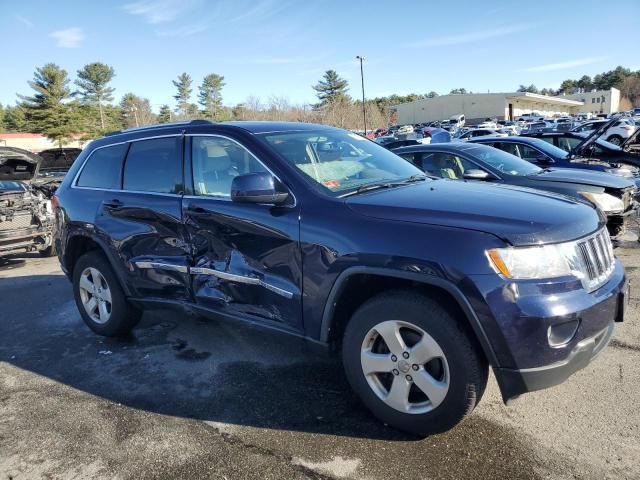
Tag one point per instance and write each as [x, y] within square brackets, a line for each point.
[605, 202]
[547, 261]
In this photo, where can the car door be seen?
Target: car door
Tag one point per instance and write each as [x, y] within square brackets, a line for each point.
[246, 258]
[143, 219]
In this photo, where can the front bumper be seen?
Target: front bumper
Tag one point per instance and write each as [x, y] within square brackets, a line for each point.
[517, 382]
[522, 321]
[25, 239]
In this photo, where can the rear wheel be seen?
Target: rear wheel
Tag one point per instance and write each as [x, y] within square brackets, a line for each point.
[412, 363]
[99, 297]
[615, 139]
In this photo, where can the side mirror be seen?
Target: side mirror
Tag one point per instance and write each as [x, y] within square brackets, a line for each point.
[258, 188]
[543, 159]
[476, 174]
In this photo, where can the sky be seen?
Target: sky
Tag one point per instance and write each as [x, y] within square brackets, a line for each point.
[281, 48]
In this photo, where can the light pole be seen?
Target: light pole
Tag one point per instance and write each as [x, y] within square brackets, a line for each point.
[364, 110]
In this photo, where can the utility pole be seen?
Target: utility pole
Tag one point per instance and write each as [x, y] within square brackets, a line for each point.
[364, 109]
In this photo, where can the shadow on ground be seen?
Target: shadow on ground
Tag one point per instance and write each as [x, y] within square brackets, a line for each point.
[183, 366]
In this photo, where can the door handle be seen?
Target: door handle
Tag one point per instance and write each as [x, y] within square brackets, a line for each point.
[193, 209]
[113, 204]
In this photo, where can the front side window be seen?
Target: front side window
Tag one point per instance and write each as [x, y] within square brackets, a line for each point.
[337, 161]
[216, 161]
[154, 166]
[503, 161]
[446, 165]
[103, 168]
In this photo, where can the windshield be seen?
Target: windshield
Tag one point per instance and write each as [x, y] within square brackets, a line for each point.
[338, 161]
[504, 162]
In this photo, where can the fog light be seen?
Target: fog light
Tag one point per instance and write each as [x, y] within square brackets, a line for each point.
[561, 333]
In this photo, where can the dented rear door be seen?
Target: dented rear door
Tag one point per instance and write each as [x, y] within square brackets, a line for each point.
[245, 257]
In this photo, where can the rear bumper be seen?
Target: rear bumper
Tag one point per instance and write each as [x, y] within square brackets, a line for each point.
[515, 382]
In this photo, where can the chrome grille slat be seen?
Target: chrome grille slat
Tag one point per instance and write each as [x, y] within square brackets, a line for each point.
[597, 259]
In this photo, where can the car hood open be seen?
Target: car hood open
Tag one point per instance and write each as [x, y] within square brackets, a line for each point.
[18, 164]
[520, 216]
[589, 177]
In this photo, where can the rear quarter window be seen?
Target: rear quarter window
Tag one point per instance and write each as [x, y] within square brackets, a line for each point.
[103, 168]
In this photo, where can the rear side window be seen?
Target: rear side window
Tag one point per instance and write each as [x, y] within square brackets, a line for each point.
[103, 168]
[154, 166]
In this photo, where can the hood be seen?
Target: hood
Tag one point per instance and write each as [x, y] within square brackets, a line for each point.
[592, 137]
[588, 177]
[517, 215]
[631, 140]
[18, 164]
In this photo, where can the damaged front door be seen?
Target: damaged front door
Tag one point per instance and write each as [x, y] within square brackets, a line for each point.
[246, 258]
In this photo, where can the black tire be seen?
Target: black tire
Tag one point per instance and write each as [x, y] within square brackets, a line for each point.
[615, 139]
[124, 316]
[468, 368]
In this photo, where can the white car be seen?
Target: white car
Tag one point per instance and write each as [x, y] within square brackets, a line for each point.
[487, 124]
[530, 117]
[616, 134]
[479, 132]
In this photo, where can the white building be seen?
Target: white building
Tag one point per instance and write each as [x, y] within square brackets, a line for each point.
[504, 106]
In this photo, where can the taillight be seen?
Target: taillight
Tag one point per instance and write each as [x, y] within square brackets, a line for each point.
[54, 202]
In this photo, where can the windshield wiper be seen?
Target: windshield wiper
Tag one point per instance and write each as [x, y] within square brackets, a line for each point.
[377, 186]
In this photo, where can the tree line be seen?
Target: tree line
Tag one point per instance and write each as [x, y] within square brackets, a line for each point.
[60, 109]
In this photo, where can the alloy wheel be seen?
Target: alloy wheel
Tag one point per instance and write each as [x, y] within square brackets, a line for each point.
[95, 295]
[405, 367]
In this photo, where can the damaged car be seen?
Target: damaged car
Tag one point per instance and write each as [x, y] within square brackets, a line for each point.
[26, 219]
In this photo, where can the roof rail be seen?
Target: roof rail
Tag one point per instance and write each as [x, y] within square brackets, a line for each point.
[159, 125]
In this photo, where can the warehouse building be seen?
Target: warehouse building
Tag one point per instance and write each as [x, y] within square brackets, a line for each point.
[505, 106]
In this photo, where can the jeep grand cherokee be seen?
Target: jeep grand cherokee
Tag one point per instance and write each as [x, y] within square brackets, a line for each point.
[420, 283]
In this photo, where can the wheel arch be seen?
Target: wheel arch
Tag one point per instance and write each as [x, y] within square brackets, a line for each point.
[332, 323]
[79, 244]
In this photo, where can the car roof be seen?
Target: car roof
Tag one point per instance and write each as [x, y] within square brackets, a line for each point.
[253, 127]
[441, 147]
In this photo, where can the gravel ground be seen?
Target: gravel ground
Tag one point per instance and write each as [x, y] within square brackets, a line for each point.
[188, 398]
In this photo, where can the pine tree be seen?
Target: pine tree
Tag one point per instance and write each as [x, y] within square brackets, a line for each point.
[183, 97]
[135, 111]
[164, 116]
[14, 119]
[93, 80]
[210, 95]
[48, 111]
[331, 88]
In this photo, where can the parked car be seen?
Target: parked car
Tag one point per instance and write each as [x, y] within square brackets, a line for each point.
[597, 150]
[614, 195]
[531, 117]
[544, 154]
[457, 121]
[616, 133]
[478, 132]
[313, 231]
[26, 218]
[536, 127]
[395, 143]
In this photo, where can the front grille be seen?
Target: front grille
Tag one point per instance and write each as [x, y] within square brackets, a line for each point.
[596, 259]
[21, 220]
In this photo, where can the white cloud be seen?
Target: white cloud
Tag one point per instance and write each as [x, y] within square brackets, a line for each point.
[68, 38]
[564, 65]
[157, 11]
[472, 37]
[25, 21]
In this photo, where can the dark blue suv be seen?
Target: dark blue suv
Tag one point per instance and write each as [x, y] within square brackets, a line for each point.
[420, 283]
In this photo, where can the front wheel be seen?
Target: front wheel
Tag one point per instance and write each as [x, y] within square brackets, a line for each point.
[412, 363]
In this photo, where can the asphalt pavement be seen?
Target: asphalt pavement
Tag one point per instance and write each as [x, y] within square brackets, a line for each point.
[184, 397]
